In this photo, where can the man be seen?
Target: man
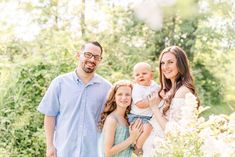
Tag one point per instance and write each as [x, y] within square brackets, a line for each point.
[72, 106]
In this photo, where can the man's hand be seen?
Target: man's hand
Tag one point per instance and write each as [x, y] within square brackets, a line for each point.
[51, 151]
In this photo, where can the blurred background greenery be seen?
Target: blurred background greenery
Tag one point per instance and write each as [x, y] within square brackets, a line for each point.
[39, 39]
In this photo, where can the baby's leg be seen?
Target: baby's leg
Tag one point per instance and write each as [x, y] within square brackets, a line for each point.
[147, 128]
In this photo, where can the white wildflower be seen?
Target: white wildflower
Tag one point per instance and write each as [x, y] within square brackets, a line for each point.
[203, 109]
[206, 133]
[201, 120]
[217, 119]
[224, 148]
[231, 123]
[187, 135]
[172, 128]
[216, 146]
[209, 147]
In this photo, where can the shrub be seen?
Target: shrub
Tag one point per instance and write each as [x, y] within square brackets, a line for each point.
[21, 125]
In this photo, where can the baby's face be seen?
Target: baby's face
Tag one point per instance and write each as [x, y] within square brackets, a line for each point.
[143, 76]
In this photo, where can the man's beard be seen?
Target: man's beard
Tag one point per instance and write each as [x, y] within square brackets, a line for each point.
[87, 69]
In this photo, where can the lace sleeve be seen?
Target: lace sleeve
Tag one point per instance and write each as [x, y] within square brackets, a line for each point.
[175, 110]
[181, 111]
[174, 114]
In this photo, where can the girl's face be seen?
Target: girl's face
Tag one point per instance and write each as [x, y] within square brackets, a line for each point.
[123, 96]
[169, 66]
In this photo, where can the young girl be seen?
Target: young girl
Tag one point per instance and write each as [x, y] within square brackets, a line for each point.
[117, 136]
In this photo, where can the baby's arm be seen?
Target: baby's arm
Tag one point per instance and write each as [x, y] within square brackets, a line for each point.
[145, 102]
[137, 97]
[142, 103]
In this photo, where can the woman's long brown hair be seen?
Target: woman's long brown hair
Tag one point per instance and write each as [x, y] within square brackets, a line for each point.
[111, 105]
[183, 78]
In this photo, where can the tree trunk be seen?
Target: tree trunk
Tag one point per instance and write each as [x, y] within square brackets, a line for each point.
[82, 20]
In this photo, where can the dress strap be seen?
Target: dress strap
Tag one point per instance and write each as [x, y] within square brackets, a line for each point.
[118, 120]
[114, 116]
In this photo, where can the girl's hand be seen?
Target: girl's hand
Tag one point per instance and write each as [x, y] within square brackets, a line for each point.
[135, 129]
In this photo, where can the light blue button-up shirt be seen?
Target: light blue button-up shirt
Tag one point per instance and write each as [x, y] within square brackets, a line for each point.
[77, 108]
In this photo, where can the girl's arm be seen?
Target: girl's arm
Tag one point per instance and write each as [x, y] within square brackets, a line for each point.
[109, 130]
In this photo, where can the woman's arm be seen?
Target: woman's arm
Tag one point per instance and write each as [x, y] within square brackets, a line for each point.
[160, 118]
[109, 128]
[181, 92]
[154, 101]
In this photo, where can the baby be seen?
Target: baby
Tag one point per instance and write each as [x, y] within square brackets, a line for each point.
[144, 85]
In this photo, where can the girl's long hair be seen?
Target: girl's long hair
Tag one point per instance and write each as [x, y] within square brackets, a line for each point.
[111, 105]
[183, 78]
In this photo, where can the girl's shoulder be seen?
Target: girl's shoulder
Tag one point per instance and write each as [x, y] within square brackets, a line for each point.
[182, 91]
[112, 117]
[111, 120]
[110, 124]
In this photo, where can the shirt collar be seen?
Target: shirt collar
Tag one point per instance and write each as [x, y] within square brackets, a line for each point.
[95, 78]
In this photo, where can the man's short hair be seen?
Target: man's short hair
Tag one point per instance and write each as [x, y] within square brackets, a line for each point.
[96, 43]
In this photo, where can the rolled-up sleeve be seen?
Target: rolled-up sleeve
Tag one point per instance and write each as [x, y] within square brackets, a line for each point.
[50, 102]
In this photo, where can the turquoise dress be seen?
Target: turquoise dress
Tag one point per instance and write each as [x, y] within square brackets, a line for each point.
[121, 134]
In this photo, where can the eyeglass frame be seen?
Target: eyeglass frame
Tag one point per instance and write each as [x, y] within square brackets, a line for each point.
[89, 55]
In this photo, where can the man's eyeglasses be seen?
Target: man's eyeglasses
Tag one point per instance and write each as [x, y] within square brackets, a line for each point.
[89, 55]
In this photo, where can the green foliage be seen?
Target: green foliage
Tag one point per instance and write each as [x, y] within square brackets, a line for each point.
[210, 88]
[21, 125]
[126, 41]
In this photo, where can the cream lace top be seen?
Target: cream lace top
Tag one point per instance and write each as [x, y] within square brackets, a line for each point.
[172, 115]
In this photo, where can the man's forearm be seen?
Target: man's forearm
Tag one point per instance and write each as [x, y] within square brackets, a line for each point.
[49, 126]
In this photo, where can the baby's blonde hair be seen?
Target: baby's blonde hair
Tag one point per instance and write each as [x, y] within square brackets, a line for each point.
[147, 65]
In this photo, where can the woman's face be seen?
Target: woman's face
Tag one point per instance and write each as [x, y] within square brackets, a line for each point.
[169, 66]
[123, 96]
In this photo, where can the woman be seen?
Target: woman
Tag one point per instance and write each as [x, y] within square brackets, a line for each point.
[117, 136]
[176, 81]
